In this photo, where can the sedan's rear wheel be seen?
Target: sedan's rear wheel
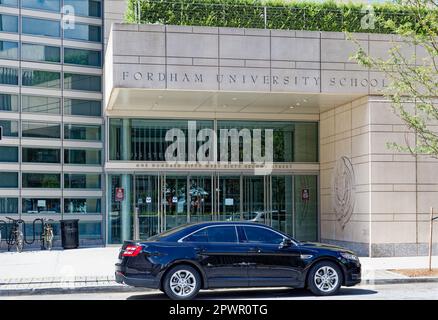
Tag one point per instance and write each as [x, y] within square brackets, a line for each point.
[182, 283]
[325, 278]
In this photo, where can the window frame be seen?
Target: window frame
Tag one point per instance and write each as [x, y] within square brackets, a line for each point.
[23, 44]
[43, 19]
[41, 122]
[266, 228]
[42, 9]
[88, 51]
[18, 23]
[17, 49]
[39, 148]
[83, 40]
[213, 226]
[30, 96]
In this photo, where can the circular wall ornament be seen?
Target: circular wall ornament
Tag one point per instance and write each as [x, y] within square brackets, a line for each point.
[344, 189]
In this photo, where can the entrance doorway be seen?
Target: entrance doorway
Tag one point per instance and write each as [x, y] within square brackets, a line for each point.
[161, 201]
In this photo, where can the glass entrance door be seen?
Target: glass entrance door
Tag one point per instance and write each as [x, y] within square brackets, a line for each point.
[228, 195]
[200, 198]
[255, 206]
[146, 205]
[175, 201]
[282, 204]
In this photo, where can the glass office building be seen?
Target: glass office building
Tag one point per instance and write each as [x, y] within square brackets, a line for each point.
[51, 155]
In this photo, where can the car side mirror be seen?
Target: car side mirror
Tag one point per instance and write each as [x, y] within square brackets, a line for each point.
[286, 243]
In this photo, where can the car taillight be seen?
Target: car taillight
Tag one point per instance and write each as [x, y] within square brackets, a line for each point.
[132, 251]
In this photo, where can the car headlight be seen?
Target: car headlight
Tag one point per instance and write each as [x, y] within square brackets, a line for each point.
[349, 256]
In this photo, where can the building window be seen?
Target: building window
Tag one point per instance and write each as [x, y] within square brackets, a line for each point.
[82, 181]
[41, 206]
[91, 8]
[8, 50]
[8, 154]
[48, 5]
[8, 206]
[39, 104]
[41, 130]
[82, 132]
[84, 32]
[10, 128]
[82, 206]
[292, 141]
[82, 57]
[41, 180]
[8, 102]
[77, 107]
[82, 156]
[146, 138]
[40, 27]
[39, 52]
[9, 3]
[9, 76]
[90, 229]
[84, 82]
[8, 23]
[40, 78]
[41, 155]
[8, 179]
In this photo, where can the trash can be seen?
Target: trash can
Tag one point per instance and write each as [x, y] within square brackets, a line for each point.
[70, 233]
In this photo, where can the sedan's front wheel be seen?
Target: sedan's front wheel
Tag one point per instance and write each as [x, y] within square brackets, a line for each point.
[325, 278]
[182, 283]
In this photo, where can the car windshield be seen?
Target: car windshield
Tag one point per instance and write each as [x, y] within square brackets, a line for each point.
[168, 232]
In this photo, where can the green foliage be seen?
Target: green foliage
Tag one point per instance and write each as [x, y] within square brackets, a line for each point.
[323, 16]
[413, 87]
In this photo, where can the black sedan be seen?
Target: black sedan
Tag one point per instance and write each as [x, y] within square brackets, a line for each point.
[186, 259]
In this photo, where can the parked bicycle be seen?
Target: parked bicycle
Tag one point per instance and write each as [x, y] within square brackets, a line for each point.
[47, 235]
[16, 237]
[3, 230]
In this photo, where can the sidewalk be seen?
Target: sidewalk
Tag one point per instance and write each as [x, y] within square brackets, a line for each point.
[92, 269]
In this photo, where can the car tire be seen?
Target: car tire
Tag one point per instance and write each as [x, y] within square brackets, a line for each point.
[325, 278]
[182, 282]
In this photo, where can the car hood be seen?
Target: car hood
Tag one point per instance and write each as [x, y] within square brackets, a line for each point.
[324, 246]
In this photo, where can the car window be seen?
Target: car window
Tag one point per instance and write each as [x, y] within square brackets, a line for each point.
[222, 234]
[200, 236]
[225, 234]
[168, 232]
[255, 234]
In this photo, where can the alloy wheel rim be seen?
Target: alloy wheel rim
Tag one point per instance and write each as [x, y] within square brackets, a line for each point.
[182, 283]
[326, 279]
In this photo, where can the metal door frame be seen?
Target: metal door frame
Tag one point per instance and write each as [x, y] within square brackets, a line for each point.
[136, 220]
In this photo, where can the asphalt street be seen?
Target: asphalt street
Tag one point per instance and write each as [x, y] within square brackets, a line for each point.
[413, 291]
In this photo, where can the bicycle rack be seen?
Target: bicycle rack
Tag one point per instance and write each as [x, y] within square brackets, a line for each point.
[8, 231]
[33, 230]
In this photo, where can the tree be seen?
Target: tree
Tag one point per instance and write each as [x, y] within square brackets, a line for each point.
[412, 80]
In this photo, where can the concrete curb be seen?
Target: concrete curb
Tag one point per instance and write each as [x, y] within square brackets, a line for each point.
[115, 289]
[398, 281]
[90, 289]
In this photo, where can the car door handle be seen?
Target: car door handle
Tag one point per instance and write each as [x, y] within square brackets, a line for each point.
[255, 250]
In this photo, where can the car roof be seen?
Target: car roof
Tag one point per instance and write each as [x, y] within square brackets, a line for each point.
[221, 223]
